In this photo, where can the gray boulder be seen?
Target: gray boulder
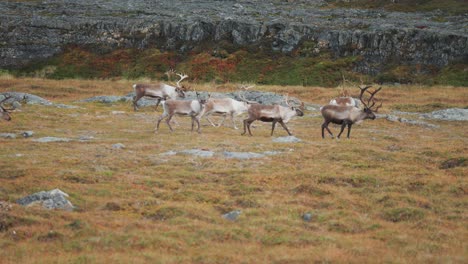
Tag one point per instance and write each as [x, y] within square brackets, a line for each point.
[51, 139]
[54, 199]
[233, 215]
[7, 135]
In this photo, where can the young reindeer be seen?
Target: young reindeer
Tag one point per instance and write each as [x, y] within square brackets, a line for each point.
[159, 91]
[5, 113]
[272, 113]
[349, 115]
[190, 108]
[224, 107]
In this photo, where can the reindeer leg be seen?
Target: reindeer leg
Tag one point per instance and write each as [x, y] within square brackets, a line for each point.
[233, 123]
[159, 121]
[342, 128]
[222, 121]
[284, 126]
[248, 126]
[198, 124]
[211, 122]
[135, 102]
[349, 128]
[157, 104]
[245, 127]
[168, 122]
[325, 126]
[273, 127]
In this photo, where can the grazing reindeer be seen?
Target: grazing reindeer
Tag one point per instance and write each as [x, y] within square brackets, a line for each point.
[224, 107]
[5, 113]
[349, 115]
[272, 113]
[159, 91]
[190, 108]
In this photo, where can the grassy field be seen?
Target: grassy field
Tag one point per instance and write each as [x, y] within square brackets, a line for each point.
[382, 196]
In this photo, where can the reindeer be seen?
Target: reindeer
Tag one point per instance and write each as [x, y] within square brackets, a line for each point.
[224, 107]
[159, 91]
[348, 115]
[4, 112]
[272, 113]
[190, 108]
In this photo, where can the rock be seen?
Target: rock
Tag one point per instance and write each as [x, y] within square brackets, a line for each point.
[394, 118]
[233, 215]
[27, 134]
[288, 139]
[118, 146]
[451, 114]
[242, 155]
[107, 99]
[198, 152]
[378, 37]
[51, 139]
[307, 217]
[85, 138]
[7, 135]
[17, 97]
[54, 199]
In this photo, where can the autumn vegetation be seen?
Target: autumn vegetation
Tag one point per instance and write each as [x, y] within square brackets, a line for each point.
[385, 195]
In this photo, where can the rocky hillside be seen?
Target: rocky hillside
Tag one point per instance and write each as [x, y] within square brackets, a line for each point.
[32, 30]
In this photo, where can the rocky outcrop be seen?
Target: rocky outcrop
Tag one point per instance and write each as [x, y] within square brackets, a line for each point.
[34, 30]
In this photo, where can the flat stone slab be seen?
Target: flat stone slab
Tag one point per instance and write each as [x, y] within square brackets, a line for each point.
[7, 135]
[288, 139]
[54, 199]
[451, 114]
[51, 139]
[233, 215]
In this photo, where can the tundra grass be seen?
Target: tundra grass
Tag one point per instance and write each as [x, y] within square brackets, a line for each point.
[382, 196]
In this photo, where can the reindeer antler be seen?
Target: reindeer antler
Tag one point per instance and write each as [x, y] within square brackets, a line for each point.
[182, 77]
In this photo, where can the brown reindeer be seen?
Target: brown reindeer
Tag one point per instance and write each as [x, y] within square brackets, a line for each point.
[348, 115]
[159, 91]
[272, 113]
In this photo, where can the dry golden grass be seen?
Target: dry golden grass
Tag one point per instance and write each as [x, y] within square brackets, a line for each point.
[379, 197]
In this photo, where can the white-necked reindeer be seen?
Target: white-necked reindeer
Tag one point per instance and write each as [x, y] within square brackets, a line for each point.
[190, 108]
[349, 115]
[272, 113]
[159, 91]
[225, 107]
[4, 112]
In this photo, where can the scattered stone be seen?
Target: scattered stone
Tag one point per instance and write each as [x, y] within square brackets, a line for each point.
[27, 134]
[17, 97]
[107, 99]
[169, 153]
[54, 199]
[51, 139]
[7, 135]
[307, 217]
[85, 138]
[242, 155]
[118, 146]
[394, 118]
[288, 139]
[233, 215]
[118, 112]
[198, 152]
[451, 114]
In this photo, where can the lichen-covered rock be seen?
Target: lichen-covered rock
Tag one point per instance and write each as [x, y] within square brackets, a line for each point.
[451, 114]
[54, 199]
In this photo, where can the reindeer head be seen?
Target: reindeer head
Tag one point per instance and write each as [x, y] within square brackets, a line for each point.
[368, 109]
[299, 109]
[201, 100]
[180, 89]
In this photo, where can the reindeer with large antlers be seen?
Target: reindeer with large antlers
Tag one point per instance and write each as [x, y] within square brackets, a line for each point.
[4, 112]
[159, 91]
[272, 113]
[225, 107]
[348, 115]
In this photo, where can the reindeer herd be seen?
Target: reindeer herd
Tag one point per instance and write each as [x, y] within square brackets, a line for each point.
[344, 111]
